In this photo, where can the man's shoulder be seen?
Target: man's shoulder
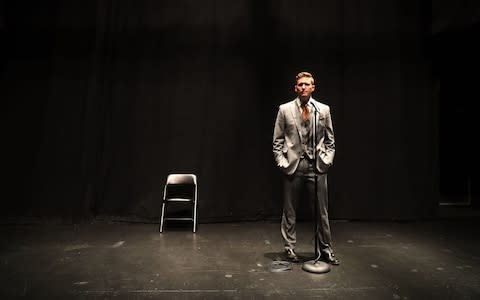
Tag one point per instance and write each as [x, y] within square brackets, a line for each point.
[319, 104]
[287, 104]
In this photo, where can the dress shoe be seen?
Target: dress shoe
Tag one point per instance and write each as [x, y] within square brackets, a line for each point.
[330, 258]
[291, 255]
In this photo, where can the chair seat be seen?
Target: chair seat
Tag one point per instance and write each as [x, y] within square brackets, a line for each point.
[179, 199]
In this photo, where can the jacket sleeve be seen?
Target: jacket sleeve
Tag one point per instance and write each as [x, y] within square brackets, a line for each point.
[279, 140]
[329, 138]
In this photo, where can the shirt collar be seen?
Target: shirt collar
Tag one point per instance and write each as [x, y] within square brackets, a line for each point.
[299, 103]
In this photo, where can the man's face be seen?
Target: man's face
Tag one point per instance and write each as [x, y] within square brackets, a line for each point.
[304, 87]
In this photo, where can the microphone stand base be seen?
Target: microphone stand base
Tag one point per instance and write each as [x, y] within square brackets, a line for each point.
[315, 266]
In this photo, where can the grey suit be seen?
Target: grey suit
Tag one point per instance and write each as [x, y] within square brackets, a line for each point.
[293, 153]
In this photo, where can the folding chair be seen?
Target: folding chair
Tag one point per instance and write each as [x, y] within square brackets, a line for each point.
[180, 188]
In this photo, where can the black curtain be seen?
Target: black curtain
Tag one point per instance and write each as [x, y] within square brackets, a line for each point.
[108, 97]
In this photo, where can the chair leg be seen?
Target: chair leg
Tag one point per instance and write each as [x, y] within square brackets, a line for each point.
[162, 217]
[195, 216]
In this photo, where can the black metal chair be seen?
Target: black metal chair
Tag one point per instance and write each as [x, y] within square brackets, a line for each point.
[180, 188]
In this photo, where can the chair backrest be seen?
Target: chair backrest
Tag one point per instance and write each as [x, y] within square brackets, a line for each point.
[182, 179]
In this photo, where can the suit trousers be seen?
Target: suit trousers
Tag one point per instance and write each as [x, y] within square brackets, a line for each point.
[302, 182]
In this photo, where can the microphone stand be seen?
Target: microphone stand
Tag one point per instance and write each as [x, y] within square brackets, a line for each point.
[315, 266]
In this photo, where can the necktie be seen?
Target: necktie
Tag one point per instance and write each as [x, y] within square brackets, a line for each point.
[305, 112]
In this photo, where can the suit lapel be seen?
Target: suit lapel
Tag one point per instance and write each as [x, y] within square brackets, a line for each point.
[296, 114]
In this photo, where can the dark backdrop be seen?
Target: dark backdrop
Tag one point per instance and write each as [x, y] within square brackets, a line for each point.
[104, 98]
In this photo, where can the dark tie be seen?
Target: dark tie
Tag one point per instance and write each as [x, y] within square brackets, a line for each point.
[305, 112]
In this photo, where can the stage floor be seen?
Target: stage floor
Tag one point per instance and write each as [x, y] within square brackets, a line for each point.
[103, 260]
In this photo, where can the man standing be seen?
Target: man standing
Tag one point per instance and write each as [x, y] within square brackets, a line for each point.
[293, 150]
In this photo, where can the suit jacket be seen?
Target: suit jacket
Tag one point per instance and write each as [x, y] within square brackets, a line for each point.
[287, 140]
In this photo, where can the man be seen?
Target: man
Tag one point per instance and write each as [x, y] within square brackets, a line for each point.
[293, 150]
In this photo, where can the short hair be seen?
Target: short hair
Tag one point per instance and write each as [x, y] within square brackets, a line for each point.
[304, 74]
